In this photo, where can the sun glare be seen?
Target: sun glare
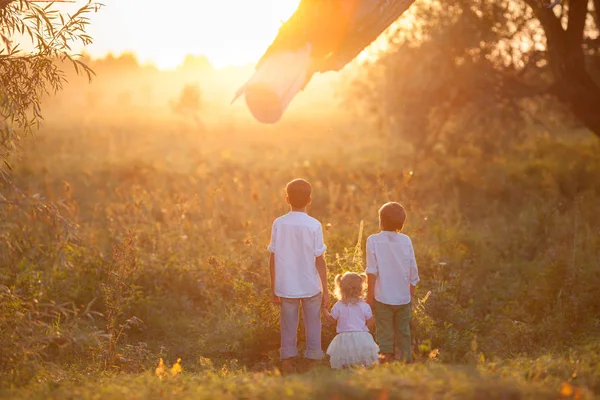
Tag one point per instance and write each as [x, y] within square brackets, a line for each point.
[228, 32]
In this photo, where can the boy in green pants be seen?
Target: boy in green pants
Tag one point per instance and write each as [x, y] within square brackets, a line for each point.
[392, 276]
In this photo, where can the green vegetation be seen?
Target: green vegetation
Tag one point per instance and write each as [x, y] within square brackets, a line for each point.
[167, 258]
[527, 380]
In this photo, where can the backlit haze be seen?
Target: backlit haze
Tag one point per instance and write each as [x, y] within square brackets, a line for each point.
[178, 37]
[228, 32]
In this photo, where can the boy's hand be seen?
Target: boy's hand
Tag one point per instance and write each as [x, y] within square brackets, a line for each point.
[371, 290]
[325, 302]
[275, 299]
[371, 301]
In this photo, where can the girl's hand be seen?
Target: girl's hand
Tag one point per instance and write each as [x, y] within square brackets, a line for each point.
[370, 322]
[328, 316]
[325, 303]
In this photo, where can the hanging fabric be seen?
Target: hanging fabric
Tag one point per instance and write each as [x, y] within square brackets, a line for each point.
[321, 36]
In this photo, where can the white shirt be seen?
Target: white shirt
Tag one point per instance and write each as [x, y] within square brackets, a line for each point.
[296, 239]
[351, 317]
[391, 258]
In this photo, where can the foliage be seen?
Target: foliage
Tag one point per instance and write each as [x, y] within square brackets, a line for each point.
[37, 249]
[479, 73]
[507, 247]
[32, 330]
[26, 76]
[117, 292]
[542, 378]
[189, 103]
[37, 243]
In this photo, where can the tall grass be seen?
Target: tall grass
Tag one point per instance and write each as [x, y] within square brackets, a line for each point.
[508, 247]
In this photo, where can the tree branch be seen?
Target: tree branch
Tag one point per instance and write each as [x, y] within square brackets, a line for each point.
[596, 13]
[550, 22]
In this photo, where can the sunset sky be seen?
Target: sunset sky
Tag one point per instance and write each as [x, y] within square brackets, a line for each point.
[228, 32]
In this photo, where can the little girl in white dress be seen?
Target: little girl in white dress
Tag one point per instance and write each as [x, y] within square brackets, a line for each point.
[353, 344]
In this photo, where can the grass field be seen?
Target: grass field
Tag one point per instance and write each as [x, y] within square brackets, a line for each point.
[520, 379]
[172, 225]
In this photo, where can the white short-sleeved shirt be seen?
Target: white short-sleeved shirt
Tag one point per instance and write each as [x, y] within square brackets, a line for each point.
[296, 239]
[351, 317]
[391, 258]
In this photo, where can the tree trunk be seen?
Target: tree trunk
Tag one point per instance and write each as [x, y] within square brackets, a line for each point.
[597, 13]
[576, 87]
[573, 84]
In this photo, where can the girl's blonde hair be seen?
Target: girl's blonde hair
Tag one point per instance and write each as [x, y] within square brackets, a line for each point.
[350, 287]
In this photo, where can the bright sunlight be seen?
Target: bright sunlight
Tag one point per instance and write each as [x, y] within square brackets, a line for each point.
[228, 32]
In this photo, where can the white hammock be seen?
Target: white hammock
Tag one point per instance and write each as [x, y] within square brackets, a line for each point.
[300, 50]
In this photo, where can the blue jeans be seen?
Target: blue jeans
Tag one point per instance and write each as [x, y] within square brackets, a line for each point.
[289, 319]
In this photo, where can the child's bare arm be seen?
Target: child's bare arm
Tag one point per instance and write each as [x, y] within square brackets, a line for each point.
[321, 265]
[412, 296]
[328, 317]
[371, 322]
[275, 299]
[371, 289]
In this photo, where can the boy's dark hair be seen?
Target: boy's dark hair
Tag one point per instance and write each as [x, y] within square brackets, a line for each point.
[392, 216]
[298, 192]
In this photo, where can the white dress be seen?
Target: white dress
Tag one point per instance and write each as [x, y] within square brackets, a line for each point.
[353, 344]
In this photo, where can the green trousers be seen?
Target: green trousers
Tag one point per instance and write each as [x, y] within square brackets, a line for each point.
[393, 322]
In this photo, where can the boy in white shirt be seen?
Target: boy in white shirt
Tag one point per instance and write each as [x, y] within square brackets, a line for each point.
[392, 276]
[298, 274]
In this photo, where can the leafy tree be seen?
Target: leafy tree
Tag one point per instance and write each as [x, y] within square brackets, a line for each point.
[478, 70]
[35, 239]
[26, 76]
[189, 103]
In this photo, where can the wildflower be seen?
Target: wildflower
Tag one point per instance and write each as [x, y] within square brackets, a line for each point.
[566, 389]
[434, 353]
[176, 368]
[161, 370]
